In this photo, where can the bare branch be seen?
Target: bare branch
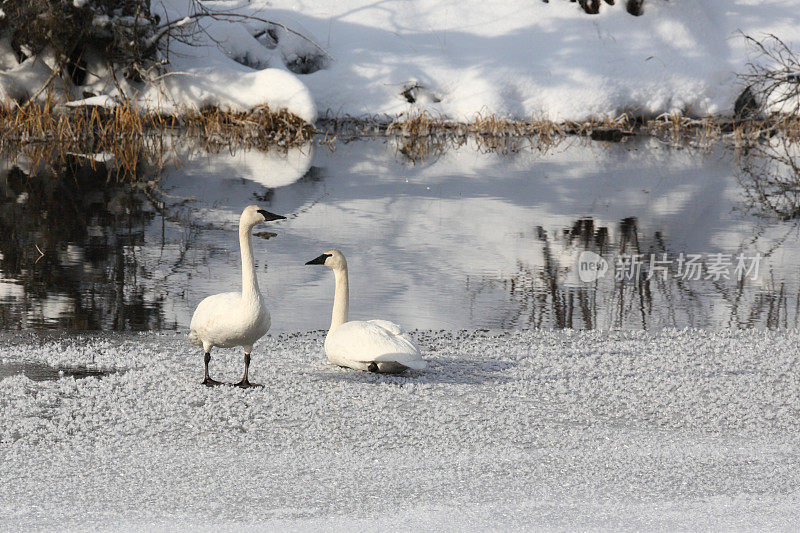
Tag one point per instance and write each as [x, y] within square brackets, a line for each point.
[203, 12]
[773, 74]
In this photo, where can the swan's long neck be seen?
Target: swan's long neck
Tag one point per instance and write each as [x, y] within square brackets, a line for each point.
[249, 280]
[341, 299]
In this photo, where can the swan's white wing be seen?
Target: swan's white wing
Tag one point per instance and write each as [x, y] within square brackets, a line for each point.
[373, 340]
[214, 308]
[391, 327]
[217, 321]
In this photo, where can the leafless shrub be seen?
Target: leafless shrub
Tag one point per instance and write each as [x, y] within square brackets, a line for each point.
[773, 77]
[121, 29]
[132, 41]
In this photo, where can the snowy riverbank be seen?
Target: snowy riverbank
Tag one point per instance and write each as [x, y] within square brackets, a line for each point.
[675, 429]
[533, 59]
[452, 58]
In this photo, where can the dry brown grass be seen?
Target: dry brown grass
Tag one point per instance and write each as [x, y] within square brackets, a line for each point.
[124, 134]
[675, 129]
[43, 129]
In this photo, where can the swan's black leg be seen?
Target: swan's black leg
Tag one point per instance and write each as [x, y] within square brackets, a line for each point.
[372, 367]
[245, 383]
[208, 381]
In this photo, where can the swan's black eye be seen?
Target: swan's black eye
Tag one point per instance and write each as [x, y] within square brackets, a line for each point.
[319, 260]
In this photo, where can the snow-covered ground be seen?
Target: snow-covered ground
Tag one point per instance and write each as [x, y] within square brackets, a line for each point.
[533, 59]
[457, 58]
[526, 430]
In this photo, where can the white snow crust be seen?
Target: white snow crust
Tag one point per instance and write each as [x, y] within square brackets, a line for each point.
[456, 58]
[528, 59]
[684, 429]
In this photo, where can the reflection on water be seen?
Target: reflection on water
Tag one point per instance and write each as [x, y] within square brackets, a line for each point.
[462, 240]
[43, 372]
[68, 239]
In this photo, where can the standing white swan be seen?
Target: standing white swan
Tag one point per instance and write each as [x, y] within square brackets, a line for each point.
[231, 318]
[374, 345]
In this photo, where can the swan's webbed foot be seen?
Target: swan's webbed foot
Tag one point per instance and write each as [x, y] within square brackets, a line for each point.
[373, 367]
[244, 384]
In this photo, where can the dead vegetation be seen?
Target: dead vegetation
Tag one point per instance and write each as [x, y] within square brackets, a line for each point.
[122, 132]
[422, 135]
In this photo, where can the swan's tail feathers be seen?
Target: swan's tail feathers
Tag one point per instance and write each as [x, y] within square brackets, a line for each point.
[416, 364]
[194, 338]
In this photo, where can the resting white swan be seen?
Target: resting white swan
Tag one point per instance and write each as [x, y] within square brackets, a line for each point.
[374, 345]
[231, 318]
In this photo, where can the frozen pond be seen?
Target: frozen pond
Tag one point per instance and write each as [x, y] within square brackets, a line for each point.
[457, 239]
[662, 429]
[558, 430]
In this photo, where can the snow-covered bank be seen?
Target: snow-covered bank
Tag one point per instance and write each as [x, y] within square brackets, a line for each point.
[196, 65]
[530, 58]
[672, 430]
[454, 58]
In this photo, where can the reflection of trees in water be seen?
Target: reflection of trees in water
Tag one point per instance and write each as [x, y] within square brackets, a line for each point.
[769, 172]
[105, 263]
[543, 295]
[427, 149]
[88, 227]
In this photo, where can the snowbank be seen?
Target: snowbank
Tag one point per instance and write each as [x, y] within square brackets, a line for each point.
[531, 59]
[457, 58]
[672, 430]
[202, 71]
[206, 72]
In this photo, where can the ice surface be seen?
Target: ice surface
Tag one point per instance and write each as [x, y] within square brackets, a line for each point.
[671, 430]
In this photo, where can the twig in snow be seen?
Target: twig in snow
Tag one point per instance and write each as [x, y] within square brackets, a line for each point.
[204, 12]
[55, 72]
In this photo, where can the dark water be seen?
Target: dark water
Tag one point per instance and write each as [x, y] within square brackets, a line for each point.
[43, 372]
[456, 239]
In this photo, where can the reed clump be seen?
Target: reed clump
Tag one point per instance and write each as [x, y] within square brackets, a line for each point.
[123, 130]
[677, 129]
[259, 127]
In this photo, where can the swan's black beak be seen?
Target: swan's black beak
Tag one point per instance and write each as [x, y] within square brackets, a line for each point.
[270, 216]
[319, 260]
